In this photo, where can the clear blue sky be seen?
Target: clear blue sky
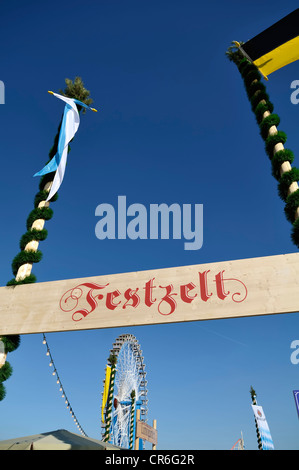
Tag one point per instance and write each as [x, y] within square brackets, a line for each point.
[174, 125]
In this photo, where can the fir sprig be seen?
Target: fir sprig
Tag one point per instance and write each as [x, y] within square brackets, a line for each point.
[76, 90]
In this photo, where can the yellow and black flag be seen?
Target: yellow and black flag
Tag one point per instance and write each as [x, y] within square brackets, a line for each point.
[275, 47]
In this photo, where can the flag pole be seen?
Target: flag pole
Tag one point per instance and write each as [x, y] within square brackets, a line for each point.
[23, 262]
[238, 45]
[280, 157]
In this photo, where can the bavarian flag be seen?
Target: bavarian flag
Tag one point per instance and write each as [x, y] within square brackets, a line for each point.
[275, 47]
[106, 390]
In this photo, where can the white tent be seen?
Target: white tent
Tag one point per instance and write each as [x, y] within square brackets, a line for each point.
[56, 440]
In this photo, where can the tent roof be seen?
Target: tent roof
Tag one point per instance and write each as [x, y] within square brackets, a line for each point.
[56, 440]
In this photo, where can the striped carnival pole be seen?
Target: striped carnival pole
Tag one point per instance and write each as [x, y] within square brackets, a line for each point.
[113, 361]
[254, 402]
[281, 158]
[133, 397]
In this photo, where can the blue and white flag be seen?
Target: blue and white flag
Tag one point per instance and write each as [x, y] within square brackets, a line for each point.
[69, 127]
[266, 438]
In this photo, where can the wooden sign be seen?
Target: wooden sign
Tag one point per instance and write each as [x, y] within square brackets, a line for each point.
[229, 289]
[146, 432]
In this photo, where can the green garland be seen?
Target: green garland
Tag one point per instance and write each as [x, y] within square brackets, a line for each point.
[286, 180]
[272, 140]
[5, 371]
[32, 234]
[261, 109]
[257, 429]
[2, 391]
[292, 202]
[11, 342]
[260, 103]
[31, 279]
[24, 257]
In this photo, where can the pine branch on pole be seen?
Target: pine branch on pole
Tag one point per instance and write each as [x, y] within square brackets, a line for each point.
[280, 157]
[22, 263]
[137, 440]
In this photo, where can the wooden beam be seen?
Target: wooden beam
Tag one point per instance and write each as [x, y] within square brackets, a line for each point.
[229, 289]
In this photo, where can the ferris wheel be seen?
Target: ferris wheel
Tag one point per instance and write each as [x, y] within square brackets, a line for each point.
[127, 392]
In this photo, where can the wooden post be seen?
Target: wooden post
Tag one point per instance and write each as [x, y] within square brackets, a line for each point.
[155, 427]
[136, 447]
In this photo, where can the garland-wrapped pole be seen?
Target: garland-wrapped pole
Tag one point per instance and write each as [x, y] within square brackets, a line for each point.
[113, 361]
[280, 157]
[132, 418]
[254, 402]
[22, 264]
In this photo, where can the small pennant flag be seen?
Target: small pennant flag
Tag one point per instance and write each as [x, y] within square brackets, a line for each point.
[276, 46]
[69, 127]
